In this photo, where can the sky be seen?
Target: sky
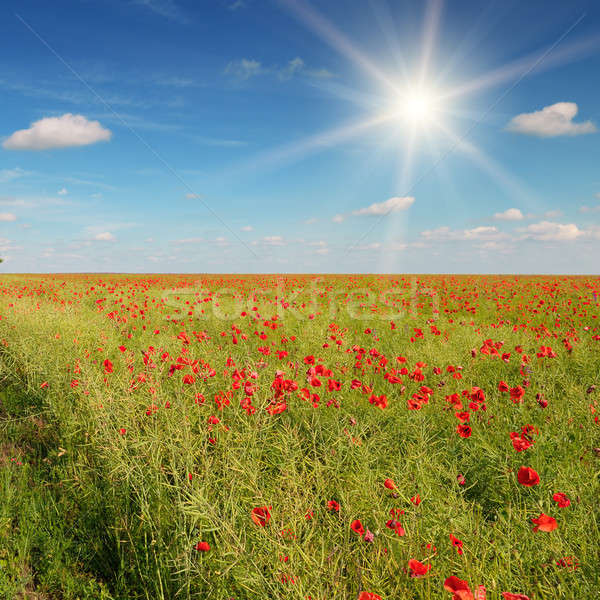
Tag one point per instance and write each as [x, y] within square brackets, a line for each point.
[258, 136]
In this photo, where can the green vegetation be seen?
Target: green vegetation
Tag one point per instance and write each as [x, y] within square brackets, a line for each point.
[134, 426]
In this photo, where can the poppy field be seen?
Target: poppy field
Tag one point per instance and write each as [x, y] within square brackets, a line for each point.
[303, 437]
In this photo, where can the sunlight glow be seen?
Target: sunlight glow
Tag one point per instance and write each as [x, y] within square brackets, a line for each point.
[418, 106]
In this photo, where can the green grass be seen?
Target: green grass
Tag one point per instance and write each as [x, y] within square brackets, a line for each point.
[90, 513]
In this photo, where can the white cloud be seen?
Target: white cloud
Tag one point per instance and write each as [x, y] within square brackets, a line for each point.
[165, 8]
[62, 192]
[383, 208]
[294, 66]
[553, 214]
[193, 196]
[7, 175]
[322, 251]
[273, 240]
[58, 132]
[320, 73]
[363, 247]
[548, 231]
[589, 209]
[244, 68]
[7, 217]
[445, 234]
[104, 236]
[338, 218]
[192, 240]
[511, 214]
[551, 121]
[247, 228]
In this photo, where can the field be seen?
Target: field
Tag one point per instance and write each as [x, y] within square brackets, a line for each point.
[309, 437]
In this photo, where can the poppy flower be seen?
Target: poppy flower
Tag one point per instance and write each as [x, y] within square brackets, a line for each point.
[416, 500]
[417, 568]
[108, 366]
[357, 527]
[528, 477]
[396, 526]
[544, 523]
[202, 546]
[503, 387]
[509, 596]
[333, 505]
[389, 484]
[261, 515]
[368, 596]
[457, 544]
[561, 499]
[459, 588]
[516, 394]
[463, 430]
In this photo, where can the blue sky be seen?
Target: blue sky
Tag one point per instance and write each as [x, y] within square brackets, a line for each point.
[285, 136]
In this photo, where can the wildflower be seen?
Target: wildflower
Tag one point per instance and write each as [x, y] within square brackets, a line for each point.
[509, 596]
[357, 527]
[463, 430]
[261, 515]
[457, 544]
[389, 484]
[561, 499]
[459, 588]
[333, 505]
[202, 546]
[544, 523]
[417, 568]
[528, 477]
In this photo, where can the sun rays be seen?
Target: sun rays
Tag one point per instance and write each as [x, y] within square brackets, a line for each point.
[411, 106]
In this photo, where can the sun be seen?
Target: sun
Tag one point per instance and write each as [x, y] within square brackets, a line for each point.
[418, 106]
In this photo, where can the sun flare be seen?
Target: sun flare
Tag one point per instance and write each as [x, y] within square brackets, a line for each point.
[417, 106]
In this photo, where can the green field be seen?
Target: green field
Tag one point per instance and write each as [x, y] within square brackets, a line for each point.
[143, 415]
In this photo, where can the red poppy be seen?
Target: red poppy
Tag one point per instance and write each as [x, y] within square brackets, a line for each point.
[357, 527]
[108, 366]
[509, 596]
[528, 477]
[544, 523]
[516, 394]
[457, 544]
[503, 387]
[333, 505]
[368, 596]
[459, 588]
[261, 515]
[389, 484]
[417, 568]
[561, 499]
[463, 430]
[202, 546]
[416, 500]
